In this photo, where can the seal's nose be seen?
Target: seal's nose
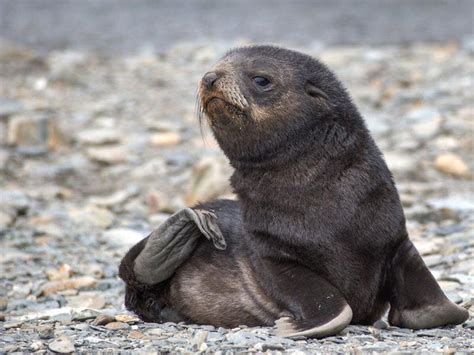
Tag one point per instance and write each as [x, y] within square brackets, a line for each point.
[210, 78]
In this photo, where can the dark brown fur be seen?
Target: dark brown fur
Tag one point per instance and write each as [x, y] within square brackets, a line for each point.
[318, 222]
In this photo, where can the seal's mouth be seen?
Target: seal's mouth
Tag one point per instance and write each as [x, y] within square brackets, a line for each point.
[216, 104]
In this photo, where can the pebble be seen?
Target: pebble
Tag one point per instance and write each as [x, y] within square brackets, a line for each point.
[123, 237]
[14, 324]
[9, 107]
[63, 273]
[425, 122]
[135, 334]
[209, 180]
[92, 216]
[3, 304]
[115, 199]
[61, 345]
[452, 164]
[84, 314]
[199, 339]
[99, 136]
[36, 345]
[117, 326]
[108, 155]
[103, 319]
[78, 283]
[380, 324]
[45, 331]
[127, 318]
[165, 139]
[86, 300]
[33, 131]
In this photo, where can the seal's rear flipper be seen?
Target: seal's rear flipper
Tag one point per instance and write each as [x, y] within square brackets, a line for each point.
[314, 308]
[148, 266]
[417, 301]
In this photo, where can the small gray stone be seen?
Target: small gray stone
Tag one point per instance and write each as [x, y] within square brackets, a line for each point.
[9, 107]
[85, 314]
[469, 324]
[62, 345]
[45, 331]
[380, 324]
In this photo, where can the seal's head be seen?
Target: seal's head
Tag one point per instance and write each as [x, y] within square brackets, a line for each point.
[261, 100]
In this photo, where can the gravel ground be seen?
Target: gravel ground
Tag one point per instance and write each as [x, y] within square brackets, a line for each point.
[96, 151]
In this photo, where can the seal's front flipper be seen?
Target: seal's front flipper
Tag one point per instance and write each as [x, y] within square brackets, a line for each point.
[417, 301]
[314, 308]
[173, 242]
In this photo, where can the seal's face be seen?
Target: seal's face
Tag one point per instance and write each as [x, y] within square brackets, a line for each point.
[260, 97]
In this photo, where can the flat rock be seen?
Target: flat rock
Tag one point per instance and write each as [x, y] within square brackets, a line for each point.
[115, 199]
[93, 216]
[108, 155]
[86, 300]
[99, 136]
[61, 345]
[210, 179]
[13, 324]
[103, 319]
[127, 318]
[117, 326]
[84, 314]
[61, 285]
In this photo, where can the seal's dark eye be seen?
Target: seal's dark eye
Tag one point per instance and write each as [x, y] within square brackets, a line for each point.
[261, 81]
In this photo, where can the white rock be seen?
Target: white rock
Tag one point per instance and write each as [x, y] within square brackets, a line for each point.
[123, 237]
[399, 161]
[108, 155]
[99, 136]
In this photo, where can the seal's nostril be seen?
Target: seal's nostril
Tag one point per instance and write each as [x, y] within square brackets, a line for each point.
[210, 78]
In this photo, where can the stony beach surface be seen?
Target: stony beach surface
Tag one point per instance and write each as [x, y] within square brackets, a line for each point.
[96, 151]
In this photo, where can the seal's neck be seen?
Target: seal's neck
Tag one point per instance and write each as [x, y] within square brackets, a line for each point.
[321, 142]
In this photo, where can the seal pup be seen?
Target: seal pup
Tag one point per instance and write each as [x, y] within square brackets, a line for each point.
[317, 238]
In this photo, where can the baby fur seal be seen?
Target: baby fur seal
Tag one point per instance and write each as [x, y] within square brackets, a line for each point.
[317, 239]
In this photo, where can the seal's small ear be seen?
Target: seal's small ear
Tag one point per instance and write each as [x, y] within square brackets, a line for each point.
[314, 91]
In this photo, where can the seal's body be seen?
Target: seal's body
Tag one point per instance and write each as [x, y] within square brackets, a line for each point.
[317, 239]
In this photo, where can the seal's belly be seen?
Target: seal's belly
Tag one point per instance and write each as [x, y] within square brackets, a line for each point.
[220, 290]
